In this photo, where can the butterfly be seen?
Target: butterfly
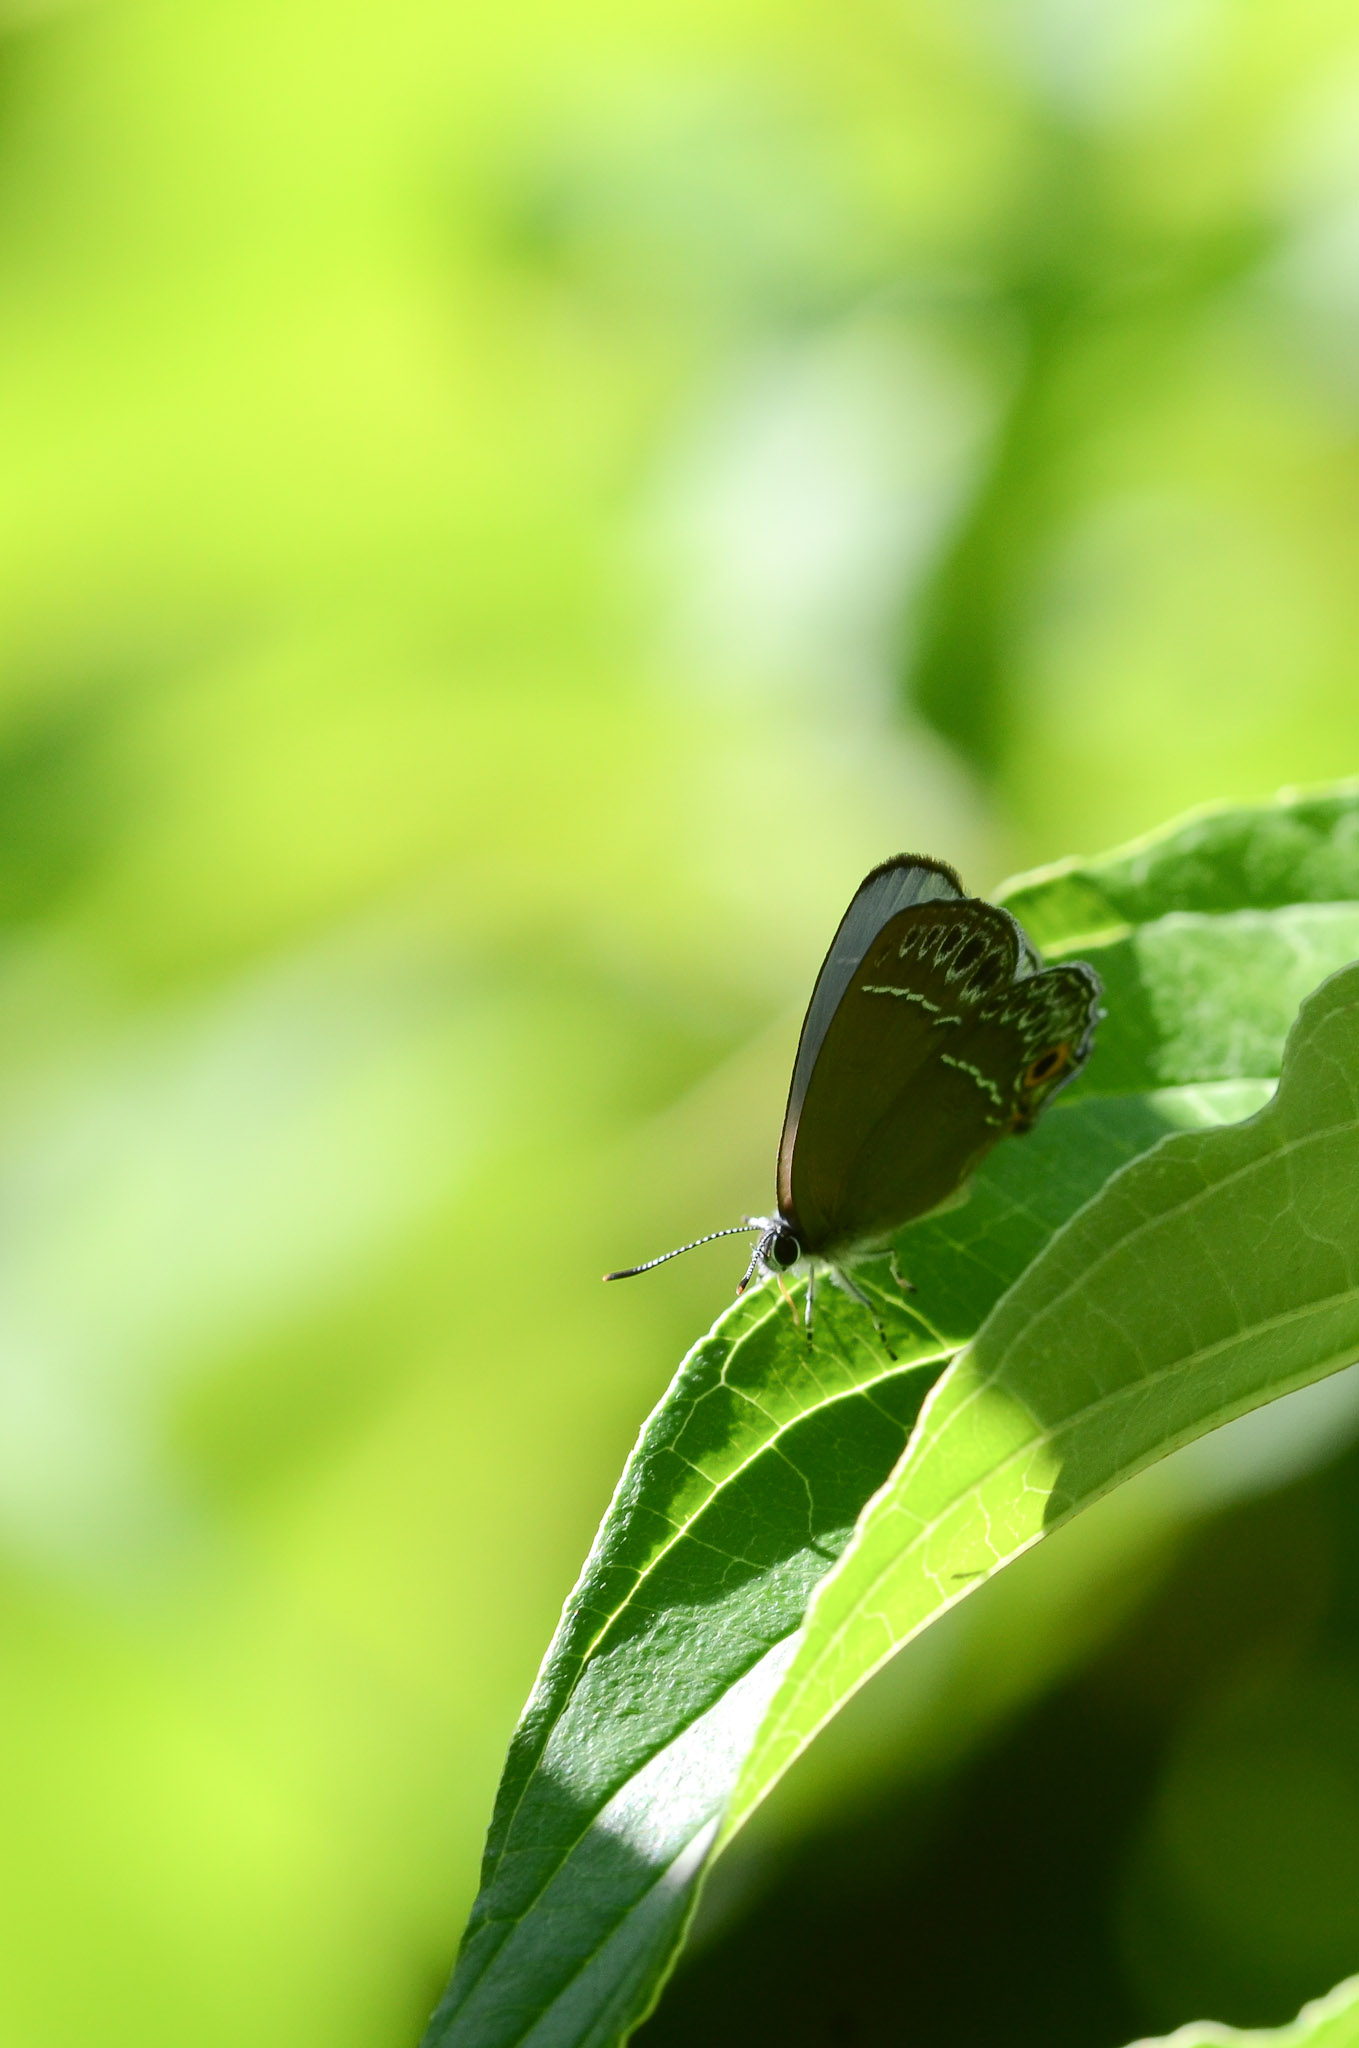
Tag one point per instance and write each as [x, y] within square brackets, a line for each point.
[934, 1031]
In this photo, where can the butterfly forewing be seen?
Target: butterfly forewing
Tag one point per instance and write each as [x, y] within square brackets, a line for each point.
[945, 1036]
[895, 886]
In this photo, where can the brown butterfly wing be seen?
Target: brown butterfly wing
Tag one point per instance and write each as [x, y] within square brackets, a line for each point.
[945, 1037]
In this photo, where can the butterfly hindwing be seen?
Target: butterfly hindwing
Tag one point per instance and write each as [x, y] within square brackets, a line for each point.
[1051, 1017]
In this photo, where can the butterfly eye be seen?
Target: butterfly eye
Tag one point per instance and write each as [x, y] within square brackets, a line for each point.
[785, 1250]
[1046, 1065]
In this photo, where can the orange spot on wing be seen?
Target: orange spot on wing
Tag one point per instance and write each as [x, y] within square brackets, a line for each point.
[1046, 1066]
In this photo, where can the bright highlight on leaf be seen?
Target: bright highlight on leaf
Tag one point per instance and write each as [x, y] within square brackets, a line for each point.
[1122, 1280]
[1331, 2022]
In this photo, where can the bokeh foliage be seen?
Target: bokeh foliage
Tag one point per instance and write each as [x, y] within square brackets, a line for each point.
[506, 514]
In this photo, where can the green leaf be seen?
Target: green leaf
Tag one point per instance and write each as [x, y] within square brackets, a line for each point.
[1218, 1272]
[1330, 2022]
[742, 1492]
[1298, 849]
[1208, 934]
[680, 1671]
[1194, 998]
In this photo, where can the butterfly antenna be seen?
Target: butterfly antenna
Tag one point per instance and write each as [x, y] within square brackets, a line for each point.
[631, 1272]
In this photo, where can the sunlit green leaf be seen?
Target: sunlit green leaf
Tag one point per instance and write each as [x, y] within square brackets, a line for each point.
[1192, 997]
[1212, 1275]
[697, 1656]
[1299, 849]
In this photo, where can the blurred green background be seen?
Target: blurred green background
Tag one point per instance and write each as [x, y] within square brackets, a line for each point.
[506, 515]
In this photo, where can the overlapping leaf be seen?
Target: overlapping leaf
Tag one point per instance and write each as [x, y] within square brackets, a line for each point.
[686, 1663]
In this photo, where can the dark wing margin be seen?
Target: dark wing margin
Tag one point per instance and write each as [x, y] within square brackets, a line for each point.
[893, 886]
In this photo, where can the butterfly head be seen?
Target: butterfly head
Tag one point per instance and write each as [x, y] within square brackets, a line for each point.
[776, 1251]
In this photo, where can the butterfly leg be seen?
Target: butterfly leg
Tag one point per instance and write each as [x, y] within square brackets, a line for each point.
[811, 1298]
[906, 1286]
[856, 1293]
